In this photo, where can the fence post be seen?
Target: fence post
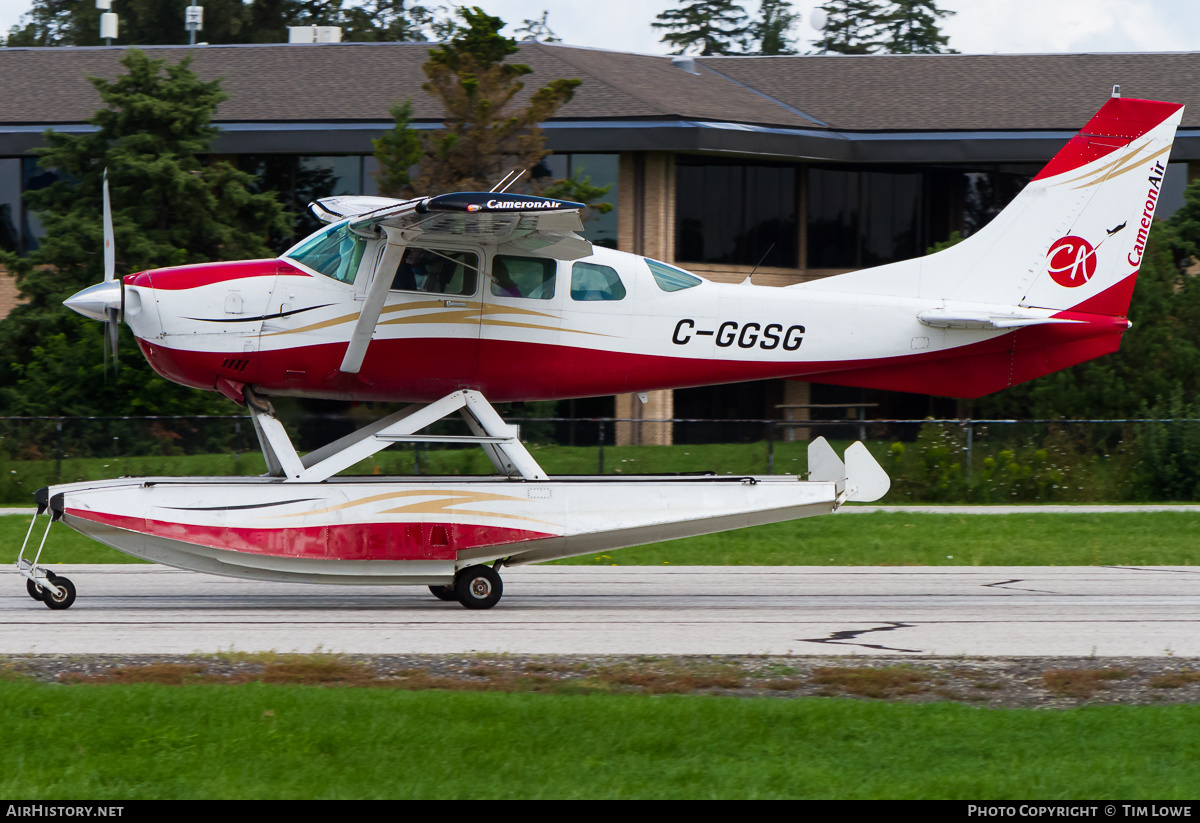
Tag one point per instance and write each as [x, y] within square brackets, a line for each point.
[600, 429]
[770, 448]
[58, 451]
[237, 447]
[970, 446]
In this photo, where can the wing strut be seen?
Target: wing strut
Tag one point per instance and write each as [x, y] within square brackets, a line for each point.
[377, 292]
[497, 437]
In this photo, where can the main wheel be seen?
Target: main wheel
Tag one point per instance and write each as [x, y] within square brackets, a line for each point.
[35, 591]
[478, 587]
[443, 592]
[61, 601]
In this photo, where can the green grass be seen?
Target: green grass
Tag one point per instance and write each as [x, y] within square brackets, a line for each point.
[887, 539]
[261, 741]
[893, 539]
[19, 479]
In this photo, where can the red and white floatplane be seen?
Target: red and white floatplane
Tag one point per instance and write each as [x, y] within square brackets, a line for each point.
[452, 302]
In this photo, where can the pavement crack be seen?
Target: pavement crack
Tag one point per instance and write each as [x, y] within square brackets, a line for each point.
[840, 638]
[1004, 584]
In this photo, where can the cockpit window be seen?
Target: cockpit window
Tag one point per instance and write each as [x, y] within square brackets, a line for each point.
[335, 253]
[531, 277]
[437, 272]
[670, 278]
[590, 281]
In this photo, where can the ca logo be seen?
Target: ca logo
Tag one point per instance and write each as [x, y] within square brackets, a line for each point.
[1072, 261]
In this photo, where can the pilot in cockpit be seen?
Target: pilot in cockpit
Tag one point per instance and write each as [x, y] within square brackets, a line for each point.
[422, 270]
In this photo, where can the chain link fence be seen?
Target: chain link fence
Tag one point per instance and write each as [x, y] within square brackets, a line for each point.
[929, 460]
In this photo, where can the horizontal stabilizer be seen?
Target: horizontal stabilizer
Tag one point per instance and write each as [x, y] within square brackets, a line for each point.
[939, 319]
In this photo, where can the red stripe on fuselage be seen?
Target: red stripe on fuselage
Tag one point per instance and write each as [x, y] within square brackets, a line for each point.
[179, 278]
[353, 541]
[415, 370]
[425, 369]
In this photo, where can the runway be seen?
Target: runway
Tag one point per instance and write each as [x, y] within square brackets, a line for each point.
[739, 610]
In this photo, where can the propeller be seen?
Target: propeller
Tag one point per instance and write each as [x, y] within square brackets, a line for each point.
[104, 301]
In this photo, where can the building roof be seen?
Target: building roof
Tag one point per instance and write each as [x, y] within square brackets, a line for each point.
[333, 98]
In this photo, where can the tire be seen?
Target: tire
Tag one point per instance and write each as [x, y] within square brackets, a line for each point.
[443, 592]
[478, 587]
[63, 601]
[35, 591]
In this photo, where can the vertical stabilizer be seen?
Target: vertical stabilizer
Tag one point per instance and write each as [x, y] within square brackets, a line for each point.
[1072, 240]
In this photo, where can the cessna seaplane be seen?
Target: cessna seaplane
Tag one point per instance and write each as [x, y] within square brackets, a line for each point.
[453, 302]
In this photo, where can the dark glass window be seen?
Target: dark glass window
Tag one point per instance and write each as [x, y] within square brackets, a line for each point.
[10, 203]
[864, 218]
[437, 272]
[736, 212]
[299, 180]
[34, 177]
[596, 170]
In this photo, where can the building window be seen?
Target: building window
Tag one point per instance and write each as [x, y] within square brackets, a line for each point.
[864, 218]
[10, 204]
[735, 212]
[299, 180]
[599, 170]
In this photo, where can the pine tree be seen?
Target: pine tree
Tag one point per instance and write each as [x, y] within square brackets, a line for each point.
[911, 27]
[537, 31]
[170, 207]
[712, 26]
[397, 151]
[852, 26]
[770, 29]
[485, 134]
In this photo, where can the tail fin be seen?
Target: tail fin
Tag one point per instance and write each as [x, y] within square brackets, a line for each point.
[1047, 284]
[1072, 240]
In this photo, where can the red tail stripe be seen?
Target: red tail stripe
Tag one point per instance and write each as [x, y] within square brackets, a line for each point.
[1119, 122]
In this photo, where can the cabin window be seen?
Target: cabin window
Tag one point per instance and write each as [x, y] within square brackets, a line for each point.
[531, 277]
[591, 281]
[437, 272]
[334, 253]
[670, 278]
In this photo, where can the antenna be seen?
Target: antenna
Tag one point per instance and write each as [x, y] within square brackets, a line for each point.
[108, 21]
[502, 181]
[760, 262]
[520, 174]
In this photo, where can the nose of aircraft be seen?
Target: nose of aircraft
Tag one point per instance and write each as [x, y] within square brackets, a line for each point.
[96, 301]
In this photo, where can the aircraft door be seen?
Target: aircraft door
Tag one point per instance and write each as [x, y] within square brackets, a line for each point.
[430, 324]
[521, 335]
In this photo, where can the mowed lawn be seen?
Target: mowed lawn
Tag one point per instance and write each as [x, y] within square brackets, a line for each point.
[263, 741]
[882, 538]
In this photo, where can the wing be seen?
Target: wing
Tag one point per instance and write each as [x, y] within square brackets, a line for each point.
[509, 223]
[513, 223]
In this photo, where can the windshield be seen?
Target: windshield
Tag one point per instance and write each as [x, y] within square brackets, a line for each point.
[335, 252]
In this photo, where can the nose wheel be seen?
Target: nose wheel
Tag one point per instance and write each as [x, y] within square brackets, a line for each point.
[57, 600]
[478, 587]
